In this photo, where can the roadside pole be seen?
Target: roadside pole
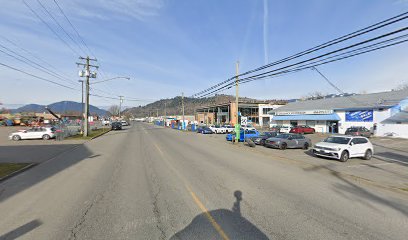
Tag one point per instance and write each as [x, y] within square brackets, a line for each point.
[82, 105]
[88, 74]
[182, 104]
[165, 114]
[237, 125]
[120, 104]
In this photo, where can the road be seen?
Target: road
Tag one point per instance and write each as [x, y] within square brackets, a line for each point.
[147, 182]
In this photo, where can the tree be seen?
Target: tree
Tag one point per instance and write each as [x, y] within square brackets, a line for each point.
[114, 110]
[402, 86]
[313, 95]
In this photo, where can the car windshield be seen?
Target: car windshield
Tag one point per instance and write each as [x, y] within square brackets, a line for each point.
[352, 130]
[338, 140]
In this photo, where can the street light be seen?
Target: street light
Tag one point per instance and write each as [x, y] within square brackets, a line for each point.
[109, 79]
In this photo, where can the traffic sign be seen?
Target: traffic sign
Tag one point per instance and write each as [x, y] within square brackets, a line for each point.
[244, 121]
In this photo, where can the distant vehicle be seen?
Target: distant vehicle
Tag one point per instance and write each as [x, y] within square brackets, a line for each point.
[200, 129]
[206, 130]
[116, 126]
[260, 140]
[358, 131]
[34, 133]
[217, 129]
[344, 147]
[275, 128]
[106, 122]
[124, 123]
[244, 134]
[288, 140]
[249, 127]
[284, 129]
[228, 128]
[302, 129]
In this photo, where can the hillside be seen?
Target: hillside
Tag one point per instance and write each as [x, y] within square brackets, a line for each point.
[173, 105]
[59, 107]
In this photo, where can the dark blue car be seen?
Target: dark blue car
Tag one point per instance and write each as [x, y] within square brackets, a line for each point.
[204, 130]
[243, 135]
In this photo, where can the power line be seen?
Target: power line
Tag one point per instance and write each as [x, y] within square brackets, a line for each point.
[59, 25]
[35, 76]
[354, 34]
[33, 64]
[305, 66]
[308, 60]
[50, 28]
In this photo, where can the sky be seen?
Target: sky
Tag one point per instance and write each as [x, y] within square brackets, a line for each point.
[167, 47]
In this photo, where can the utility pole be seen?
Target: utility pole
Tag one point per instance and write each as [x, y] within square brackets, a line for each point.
[182, 105]
[88, 74]
[157, 113]
[120, 104]
[237, 125]
[165, 113]
[82, 103]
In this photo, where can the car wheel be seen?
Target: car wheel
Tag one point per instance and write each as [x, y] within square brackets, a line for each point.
[46, 137]
[368, 154]
[283, 146]
[306, 146]
[262, 142]
[344, 156]
[16, 137]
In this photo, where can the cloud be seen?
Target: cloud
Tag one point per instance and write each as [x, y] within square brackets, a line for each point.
[119, 9]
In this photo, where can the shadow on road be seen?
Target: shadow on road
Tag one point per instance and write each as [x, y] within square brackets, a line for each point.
[20, 231]
[212, 225]
[393, 156]
[37, 174]
[356, 193]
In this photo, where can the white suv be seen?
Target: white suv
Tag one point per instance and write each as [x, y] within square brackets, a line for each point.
[344, 147]
[34, 133]
[218, 129]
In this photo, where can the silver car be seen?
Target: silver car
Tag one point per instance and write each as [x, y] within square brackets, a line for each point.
[288, 140]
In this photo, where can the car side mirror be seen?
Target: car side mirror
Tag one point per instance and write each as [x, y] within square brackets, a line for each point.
[290, 138]
[351, 144]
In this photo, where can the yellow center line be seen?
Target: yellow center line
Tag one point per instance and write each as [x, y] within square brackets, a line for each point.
[197, 201]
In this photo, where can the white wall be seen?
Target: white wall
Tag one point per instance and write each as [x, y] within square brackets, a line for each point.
[378, 116]
[399, 130]
[260, 111]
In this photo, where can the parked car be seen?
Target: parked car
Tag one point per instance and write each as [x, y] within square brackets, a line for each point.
[244, 134]
[260, 140]
[200, 129]
[275, 128]
[34, 133]
[358, 131]
[288, 140]
[302, 129]
[124, 123]
[206, 130]
[249, 127]
[228, 128]
[344, 147]
[217, 129]
[284, 129]
[116, 126]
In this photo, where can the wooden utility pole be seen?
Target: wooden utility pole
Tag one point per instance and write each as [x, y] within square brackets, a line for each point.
[165, 113]
[237, 125]
[182, 105]
[88, 74]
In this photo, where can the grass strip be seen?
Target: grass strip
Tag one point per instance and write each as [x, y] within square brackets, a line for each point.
[8, 168]
[91, 135]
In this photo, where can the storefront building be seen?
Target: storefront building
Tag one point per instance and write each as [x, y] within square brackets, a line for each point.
[336, 114]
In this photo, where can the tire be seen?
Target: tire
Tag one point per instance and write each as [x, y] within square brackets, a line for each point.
[262, 143]
[16, 138]
[344, 156]
[283, 146]
[46, 137]
[368, 154]
[306, 146]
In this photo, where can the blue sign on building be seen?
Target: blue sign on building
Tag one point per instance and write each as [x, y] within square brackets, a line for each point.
[359, 116]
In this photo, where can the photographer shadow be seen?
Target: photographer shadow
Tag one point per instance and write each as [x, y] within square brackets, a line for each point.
[221, 224]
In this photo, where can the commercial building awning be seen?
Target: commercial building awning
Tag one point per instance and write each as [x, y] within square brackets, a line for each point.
[317, 117]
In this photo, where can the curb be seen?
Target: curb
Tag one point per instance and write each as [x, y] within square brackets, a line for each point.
[18, 171]
[100, 135]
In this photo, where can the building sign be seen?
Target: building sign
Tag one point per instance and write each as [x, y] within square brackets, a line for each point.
[307, 112]
[359, 116]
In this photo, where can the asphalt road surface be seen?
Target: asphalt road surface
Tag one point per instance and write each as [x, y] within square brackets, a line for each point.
[147, 182]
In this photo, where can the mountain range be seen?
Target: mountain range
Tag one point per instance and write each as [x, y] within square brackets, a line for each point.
[59, 107]
[172, 106]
